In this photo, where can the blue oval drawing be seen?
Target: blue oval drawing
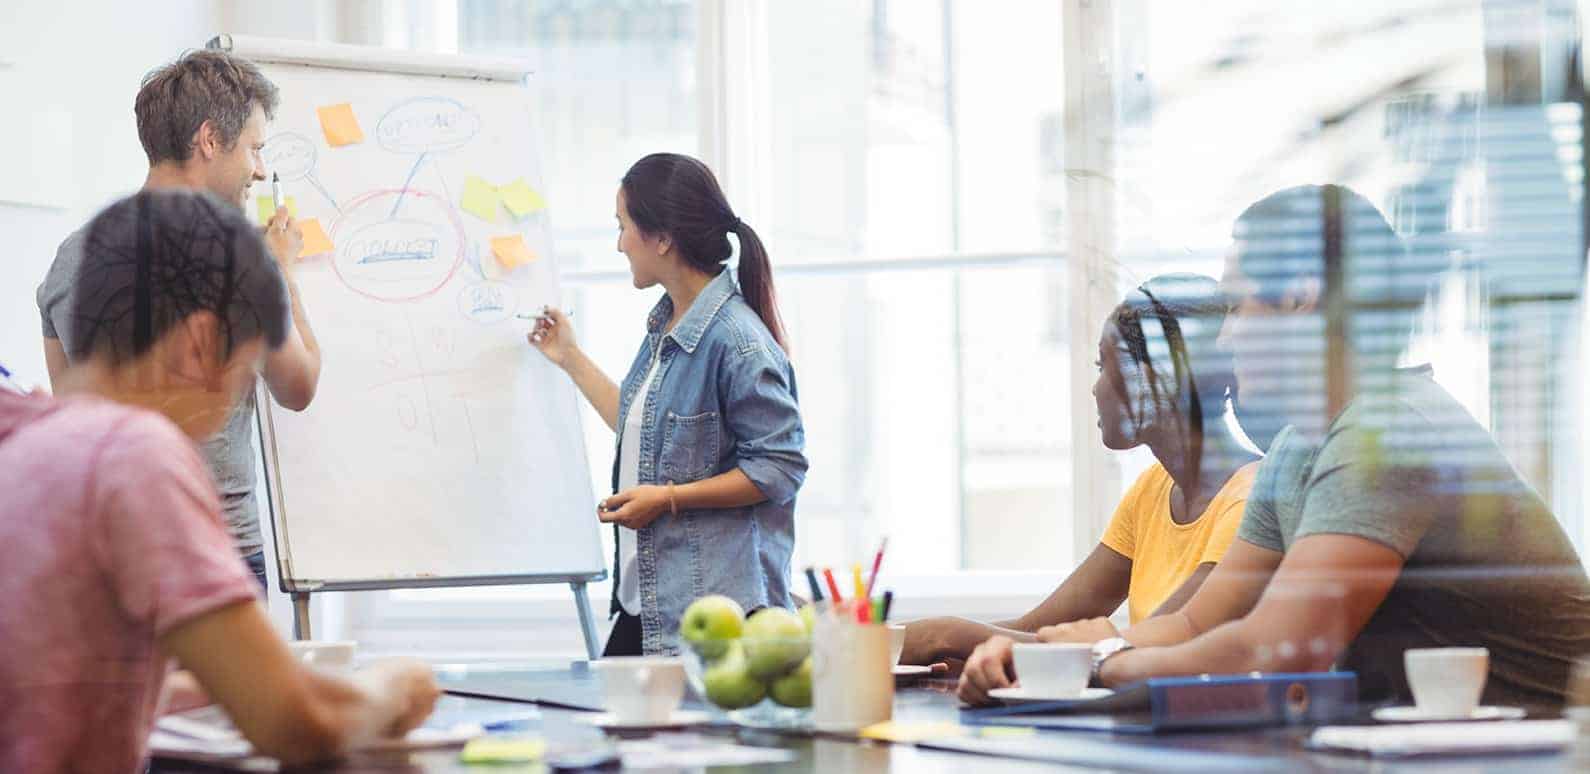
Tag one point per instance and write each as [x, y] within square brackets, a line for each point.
[289, 155]
[427, 125]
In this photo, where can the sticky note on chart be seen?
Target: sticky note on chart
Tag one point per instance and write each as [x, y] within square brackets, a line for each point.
[521, 199]
[315, 240]
[480, 199]
[266, 206]
[340, 125]
[511, 251]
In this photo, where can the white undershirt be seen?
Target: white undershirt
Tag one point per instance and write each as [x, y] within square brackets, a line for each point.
[628, 478]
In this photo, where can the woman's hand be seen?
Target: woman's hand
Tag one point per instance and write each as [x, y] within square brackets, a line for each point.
[990, 666]
[1088, 630]
[635, 508]
[554, 336]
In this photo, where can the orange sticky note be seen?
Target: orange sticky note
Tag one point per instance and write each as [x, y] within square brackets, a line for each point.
[340, 125]
[315, 239]
[511, 251]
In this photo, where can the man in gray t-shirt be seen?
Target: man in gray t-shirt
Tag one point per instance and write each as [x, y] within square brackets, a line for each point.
[1485, 563]
[1384, 517]
[201, 120]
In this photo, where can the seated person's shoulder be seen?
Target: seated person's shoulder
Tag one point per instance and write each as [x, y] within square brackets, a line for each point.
[112, 434]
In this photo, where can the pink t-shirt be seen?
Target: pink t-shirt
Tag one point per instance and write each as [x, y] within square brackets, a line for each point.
[111, 536]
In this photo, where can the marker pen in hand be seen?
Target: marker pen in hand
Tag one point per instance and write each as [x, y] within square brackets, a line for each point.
[276, 191]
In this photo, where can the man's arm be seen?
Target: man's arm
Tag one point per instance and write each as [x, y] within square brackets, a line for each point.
[54, 361]
[1322, 595]
[286, 710]
[293, 372]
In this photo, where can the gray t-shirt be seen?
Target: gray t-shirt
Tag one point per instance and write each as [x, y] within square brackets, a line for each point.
[1486, 563]
[230, 453]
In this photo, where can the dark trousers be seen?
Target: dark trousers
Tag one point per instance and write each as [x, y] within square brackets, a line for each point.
[256, 565]
[624, 640]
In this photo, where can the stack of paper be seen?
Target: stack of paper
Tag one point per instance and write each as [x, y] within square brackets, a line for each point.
[1446, 738]
[207, 734]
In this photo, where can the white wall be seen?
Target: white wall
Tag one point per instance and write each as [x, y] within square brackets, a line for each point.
[76, 65]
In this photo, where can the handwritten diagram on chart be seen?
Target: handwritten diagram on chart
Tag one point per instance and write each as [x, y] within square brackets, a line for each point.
[426, 250]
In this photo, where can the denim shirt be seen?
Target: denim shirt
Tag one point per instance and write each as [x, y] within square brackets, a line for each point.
[723, 398]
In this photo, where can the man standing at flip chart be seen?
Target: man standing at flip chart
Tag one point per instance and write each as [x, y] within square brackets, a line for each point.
[201, 120]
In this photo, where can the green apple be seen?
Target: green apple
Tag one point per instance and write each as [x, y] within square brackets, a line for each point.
[775, 642]
[809, 617]
[710, 623]
[729, 683]
[795, 688]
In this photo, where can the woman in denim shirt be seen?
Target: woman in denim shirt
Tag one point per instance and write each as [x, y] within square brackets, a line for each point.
[710, 442]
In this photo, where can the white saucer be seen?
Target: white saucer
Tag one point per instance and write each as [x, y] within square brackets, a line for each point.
[911, 670]
[1019, 695]
[676, 720]
[1415, 715]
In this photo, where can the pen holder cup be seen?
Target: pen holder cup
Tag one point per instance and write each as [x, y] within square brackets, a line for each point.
[852, 678]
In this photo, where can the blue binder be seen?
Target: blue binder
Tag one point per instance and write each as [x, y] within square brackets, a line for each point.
[1192, 703]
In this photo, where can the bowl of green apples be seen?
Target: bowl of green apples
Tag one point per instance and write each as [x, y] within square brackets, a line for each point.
[758, 669]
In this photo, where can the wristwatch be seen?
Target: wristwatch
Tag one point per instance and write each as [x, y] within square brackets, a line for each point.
[1103, 649]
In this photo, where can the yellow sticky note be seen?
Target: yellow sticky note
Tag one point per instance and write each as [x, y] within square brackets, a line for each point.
[521, 199]
[894, 731]
[489, 749]
[315, 239]
[511, 251]
[1005, 732]
[340, 125]
[266, 207]
[480, 199]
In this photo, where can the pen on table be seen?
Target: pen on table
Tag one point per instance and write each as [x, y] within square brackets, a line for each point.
[877, 561]
[276, 191]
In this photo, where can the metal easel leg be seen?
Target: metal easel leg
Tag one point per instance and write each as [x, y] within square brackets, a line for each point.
[301, 616]
[587, 623]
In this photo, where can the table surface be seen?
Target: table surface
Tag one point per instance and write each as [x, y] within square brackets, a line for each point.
[925, 700]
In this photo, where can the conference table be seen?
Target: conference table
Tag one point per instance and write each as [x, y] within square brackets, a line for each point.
[557, 692]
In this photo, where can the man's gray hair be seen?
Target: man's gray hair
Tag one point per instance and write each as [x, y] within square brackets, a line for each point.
[203, 85]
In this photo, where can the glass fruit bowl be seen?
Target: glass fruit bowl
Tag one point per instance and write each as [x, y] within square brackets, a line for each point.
[762, 683]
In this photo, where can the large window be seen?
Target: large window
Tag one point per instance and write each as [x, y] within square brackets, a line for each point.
[913, 183]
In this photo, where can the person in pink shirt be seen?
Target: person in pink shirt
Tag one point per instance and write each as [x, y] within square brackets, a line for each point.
[116, 561]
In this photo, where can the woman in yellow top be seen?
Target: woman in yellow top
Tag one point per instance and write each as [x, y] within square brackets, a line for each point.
[1162, 383]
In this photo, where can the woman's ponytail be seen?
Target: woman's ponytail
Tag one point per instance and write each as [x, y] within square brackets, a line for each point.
[756, 281]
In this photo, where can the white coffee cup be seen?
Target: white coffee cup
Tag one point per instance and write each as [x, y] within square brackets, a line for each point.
[332, 656]
[1446, 682]
[642, 689]
[1053, 670]
[896, 642]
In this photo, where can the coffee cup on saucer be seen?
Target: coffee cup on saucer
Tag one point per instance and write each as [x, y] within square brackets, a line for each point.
[1446, 682]
[1056, 670]
[639, 690]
